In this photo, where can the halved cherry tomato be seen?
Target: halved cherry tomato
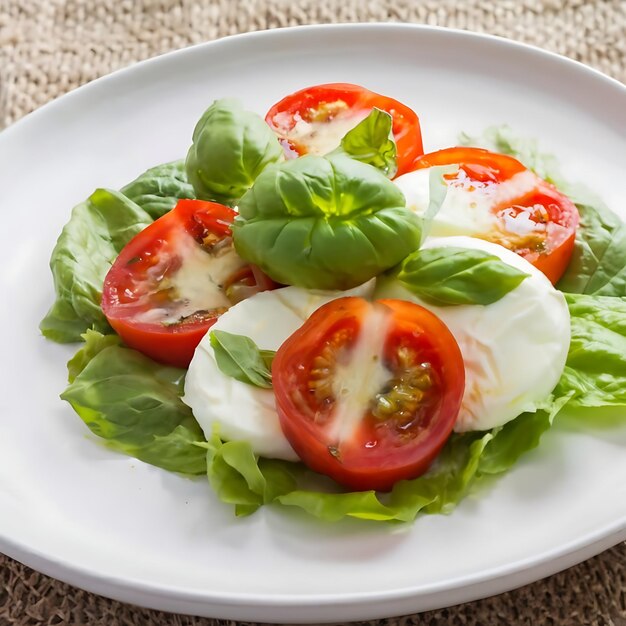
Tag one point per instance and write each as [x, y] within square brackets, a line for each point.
[368, 393]
[314, 120]
[550, 243]
[171, 281]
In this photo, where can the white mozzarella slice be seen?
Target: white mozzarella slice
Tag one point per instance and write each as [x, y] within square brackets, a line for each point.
[467, 208]
[324, 136]
[242, 411]
[514, 350]
[198, 284]
[363, 373]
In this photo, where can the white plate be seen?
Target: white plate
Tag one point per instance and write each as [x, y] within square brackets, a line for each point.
[110, 524]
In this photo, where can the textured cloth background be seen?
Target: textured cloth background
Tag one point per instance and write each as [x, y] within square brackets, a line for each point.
[49, 47]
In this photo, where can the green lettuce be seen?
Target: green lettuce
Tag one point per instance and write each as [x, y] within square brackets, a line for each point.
[97, 231]
[324, 223]
[242, 479]
[230, 148]
[598, 264]
[158, 190]
[134, 404]
[595, 371]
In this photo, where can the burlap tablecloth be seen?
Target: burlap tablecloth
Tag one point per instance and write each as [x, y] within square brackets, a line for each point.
[49, 47]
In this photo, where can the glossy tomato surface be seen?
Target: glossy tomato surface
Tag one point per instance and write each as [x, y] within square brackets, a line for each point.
[549, 247]
[334, 109]
[170, 283]
[368, 393]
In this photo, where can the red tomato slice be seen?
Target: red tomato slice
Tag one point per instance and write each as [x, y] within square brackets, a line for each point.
[368, 393]
[334, 109]
[171, 281]
[550, 244]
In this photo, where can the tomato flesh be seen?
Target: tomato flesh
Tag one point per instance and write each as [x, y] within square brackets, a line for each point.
[343, 106]
[550, 243]
[173, 280]
[369, 408]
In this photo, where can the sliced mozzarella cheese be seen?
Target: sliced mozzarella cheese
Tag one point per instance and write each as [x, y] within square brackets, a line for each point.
[197, 285]
[241, 411]
[363, 373]
[468, 206]
[514, 350]
[324, 136]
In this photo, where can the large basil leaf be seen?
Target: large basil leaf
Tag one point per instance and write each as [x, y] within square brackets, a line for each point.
[239, 357]
[371, 141]
[158, 190]
[134, 404]
[324, 223]
[451, 276]
[230, 148]
[97, 231]
[595, 371]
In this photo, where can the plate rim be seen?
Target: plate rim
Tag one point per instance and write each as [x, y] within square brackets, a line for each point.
[285, 30]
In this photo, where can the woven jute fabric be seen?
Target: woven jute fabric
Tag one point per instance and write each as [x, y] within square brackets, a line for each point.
[49, 47]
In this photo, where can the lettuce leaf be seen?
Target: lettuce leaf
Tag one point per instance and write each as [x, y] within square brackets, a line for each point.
[97, 231]
[595, 371]
[598, 264]
[134, 404]
[158, 189]
[242, 479]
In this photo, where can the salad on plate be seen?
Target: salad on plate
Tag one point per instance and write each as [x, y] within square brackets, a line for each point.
[314, 313]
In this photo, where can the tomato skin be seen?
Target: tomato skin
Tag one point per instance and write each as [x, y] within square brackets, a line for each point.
[378, 453]
[490, 167]
[479, 163]
[172, 344]
[406, 126]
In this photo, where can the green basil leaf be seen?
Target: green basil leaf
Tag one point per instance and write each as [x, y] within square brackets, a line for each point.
[239, 357]
[371, 141]
[158, 190]
[452, 276]
[242, 479]
[135, 404]
[230, 148]
[97, 231]
[324, 223]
